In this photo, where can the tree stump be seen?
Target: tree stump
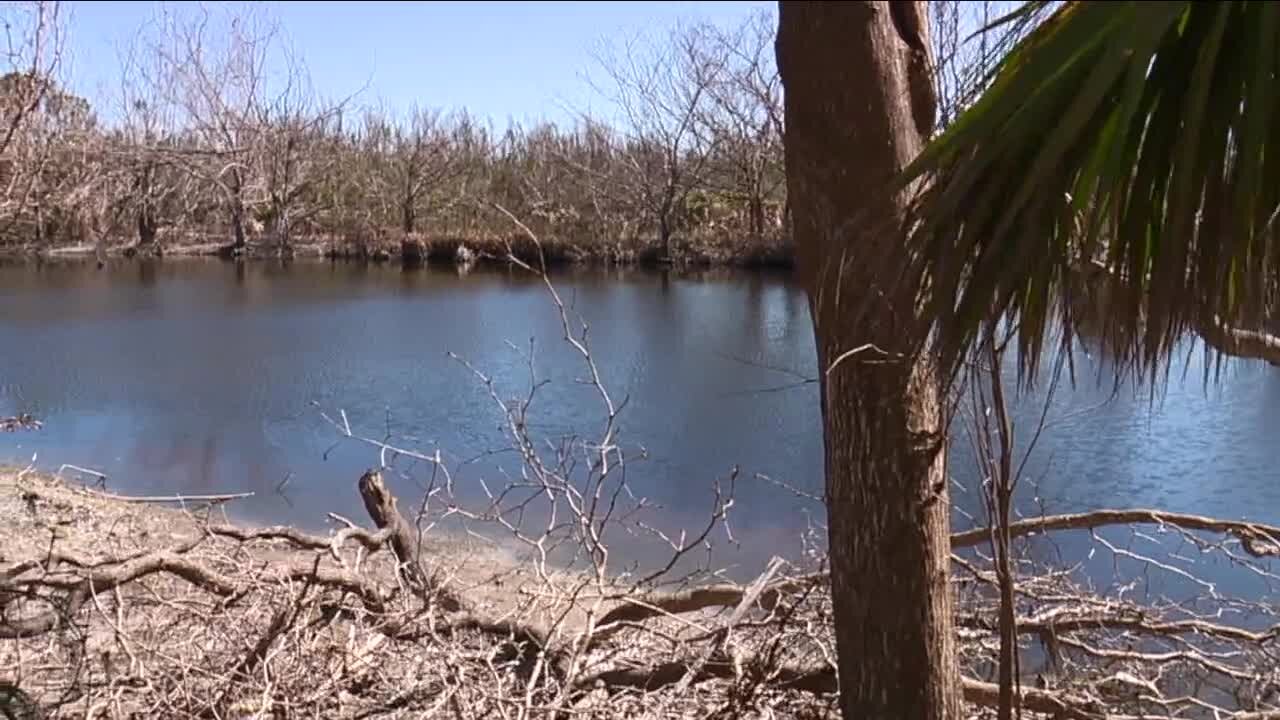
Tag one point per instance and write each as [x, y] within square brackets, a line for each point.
[385, 513]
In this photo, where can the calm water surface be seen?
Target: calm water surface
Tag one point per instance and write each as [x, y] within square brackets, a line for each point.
[203, 376]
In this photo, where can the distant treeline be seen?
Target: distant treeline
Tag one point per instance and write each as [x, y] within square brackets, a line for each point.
[213, 145]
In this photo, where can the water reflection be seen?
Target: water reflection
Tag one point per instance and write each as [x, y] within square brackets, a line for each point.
[199, 376]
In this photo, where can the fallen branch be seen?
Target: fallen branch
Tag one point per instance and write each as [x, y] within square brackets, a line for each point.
[1055, 705]
[813, 680]
[370, 540]
[1062, 706]
[655, 604]
[1248, 344]
[104, 578]
[1143, 626]
[174, 498]
[82, 470]
[1259, 539]
[107, 578]
[1157, 659]
[1069, 622]
[1059, 705]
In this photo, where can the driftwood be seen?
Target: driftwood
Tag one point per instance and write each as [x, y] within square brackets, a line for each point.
[385, 513]
[370, 541]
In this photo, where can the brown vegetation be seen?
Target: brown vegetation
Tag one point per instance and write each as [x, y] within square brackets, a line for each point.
[182, 616]
[212, 152]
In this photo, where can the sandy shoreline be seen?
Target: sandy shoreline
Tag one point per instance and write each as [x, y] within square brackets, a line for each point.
[56, 529]
[447, 250]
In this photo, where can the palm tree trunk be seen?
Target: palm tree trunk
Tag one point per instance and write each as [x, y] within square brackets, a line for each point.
[858, 104]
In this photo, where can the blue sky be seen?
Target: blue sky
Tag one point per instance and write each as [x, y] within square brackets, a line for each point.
[501, 60]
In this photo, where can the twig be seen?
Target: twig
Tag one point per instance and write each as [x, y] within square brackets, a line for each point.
[174, 498]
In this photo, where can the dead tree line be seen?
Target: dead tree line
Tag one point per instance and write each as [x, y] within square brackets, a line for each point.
[216, 135]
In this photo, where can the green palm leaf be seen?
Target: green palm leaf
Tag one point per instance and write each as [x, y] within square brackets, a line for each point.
[1134, 138]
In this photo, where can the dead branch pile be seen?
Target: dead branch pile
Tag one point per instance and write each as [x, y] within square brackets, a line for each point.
[230, 622]
[225, 621]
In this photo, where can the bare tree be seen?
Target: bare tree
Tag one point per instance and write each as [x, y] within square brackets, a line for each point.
[426, 156]
[660, 89]
[966, 49]
[34, 37]
[744, 113]
[148, 147]
[213, 134]
[295, 152]
[221, 91]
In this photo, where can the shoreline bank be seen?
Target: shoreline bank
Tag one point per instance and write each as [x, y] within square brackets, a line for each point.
[456, 251]
[115, 608]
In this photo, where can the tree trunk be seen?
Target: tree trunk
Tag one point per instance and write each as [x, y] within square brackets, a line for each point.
[237, 224]
[408, 217]
[237, 211]
[757, 215]
[858, 103]
[280, 223]
[147, 226]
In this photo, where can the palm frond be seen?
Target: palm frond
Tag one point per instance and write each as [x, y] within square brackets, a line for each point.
[1140, 138]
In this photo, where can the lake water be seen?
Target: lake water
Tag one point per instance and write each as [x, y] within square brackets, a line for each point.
[201, 376]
